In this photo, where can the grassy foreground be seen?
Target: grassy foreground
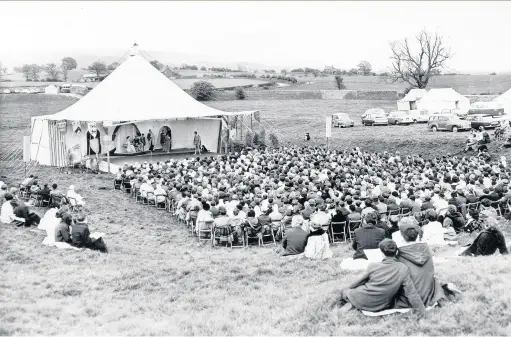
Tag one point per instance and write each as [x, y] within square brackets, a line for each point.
[158, 280]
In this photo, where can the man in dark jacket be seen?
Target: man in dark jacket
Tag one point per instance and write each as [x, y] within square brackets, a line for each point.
[487, 243]
[294, 241]
[62, 230]
[376, 289]
[367, 237]
[458, 221]
[427, 204]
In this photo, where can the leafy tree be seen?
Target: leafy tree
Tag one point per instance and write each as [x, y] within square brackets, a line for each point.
[203, 68]
[194, 68]
[297, 70]
[202, 91]
[157, 64]
[3, 71]
[113, 66]
[35, 71]
[240, 93]
[68, 63]
[99, 68]
[283, 72]
[416, 62]
[353, 71]
[53, 71]
[339, 82]
[25, 70]
[365, 68]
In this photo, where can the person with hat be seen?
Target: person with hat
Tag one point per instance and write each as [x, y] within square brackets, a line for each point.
[378, 287]
[74, 198]
[318, 246]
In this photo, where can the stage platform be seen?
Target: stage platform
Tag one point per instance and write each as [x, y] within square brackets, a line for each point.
[118, 161]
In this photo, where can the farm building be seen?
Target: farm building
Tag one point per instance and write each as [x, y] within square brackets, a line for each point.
[52, 89]
[444, 100]
[409, 102]
[100, 122]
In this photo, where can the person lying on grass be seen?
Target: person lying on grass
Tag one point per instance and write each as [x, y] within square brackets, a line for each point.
[487, 242]
[378, 287]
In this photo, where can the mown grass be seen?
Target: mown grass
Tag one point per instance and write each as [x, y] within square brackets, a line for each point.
[158, 280]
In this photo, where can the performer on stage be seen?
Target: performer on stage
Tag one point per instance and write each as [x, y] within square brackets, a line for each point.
[197, 142]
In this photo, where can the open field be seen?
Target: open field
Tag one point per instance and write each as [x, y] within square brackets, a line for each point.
[157, 280]
[464, 84]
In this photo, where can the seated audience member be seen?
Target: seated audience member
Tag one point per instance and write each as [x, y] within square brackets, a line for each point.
[222, 228]
[81, 238]
[27, 183]
[118, 179]
[458, 221]
[275, 215]
[236, 220]
[487, 243]
[318, 246]
[377, 288]
[476, 222]
[294, 241]
[45, 193]
[57, 196]
[3, 192]
[22, 210]
[394, 225]
[35, 188]
[487, 209]
[160, 195]
[433, 232]
[367, 237]
[7, 215]
[62, 231]
[204, 219]
[354, 215]
[49, 222]
[251, 225]
[321, 218]
[419, 260]
[74, 198]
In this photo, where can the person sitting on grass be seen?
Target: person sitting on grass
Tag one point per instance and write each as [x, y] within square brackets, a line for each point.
[378, 287]
[318, 246]
[294, 241]
[22, 210]
[62, 231]
[81, 238]
[7, 215]
[367, 237]
[418, 258]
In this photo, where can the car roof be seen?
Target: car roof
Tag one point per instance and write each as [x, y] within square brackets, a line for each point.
[479, 115]
[445, 115]
[340, 114]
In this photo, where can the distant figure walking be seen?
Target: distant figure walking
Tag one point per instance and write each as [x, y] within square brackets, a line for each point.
[307, 137]
[197, 142]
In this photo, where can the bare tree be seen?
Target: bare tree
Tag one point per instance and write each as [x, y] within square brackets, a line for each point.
[53, 71]
[416, 64]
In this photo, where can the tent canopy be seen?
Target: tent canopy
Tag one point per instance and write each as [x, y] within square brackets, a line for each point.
[442, 95]
[136, 91]
[414, 95]
[504, 98]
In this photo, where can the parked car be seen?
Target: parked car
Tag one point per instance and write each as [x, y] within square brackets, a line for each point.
[419, 116]
[486, 121]
[374, 117]
[448, 122]
[399, 118]
[342, 120]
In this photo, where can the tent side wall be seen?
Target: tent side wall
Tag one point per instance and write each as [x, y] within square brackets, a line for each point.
[40, 141]
[403, 105]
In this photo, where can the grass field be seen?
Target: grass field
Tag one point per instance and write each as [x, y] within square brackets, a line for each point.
[157, 280]
[464, 84]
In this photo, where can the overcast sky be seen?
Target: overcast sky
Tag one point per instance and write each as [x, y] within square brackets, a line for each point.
[274, 33]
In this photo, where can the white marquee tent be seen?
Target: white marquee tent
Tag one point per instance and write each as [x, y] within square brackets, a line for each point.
[444, 99]
[409, 102]
[504, 101]
[135, 97]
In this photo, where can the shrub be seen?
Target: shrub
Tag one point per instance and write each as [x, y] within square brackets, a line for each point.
[256, 139]
[339, 82]
[202, 91]
[274, 140]
[240, 93]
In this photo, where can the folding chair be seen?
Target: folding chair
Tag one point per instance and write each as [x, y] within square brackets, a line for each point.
[208, 231]
[117, 185]
[45, 202]
[405, 212]
[393, 212]
[227, 239]
[253, 237]
[270, 235]
[334, 233]
[36, 199]
[161, 205]
[138, 196]
[352, 225]
[151, 199]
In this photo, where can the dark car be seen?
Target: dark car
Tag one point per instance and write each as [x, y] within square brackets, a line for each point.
[486, 121]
